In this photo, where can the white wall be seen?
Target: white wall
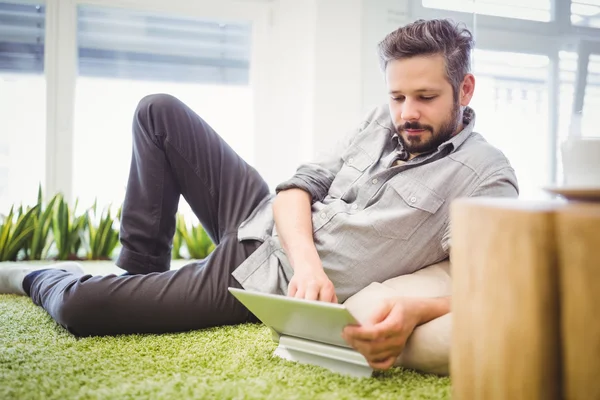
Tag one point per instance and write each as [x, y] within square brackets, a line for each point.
[380, 17]
[283, 110]
[311, 87]
[322, 76]
[337, 95]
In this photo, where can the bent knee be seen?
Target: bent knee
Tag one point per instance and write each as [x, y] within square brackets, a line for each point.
[428, 347]
[432, 281]
[158, 101]
[157, 105]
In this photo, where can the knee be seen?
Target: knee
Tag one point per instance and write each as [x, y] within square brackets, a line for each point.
[428, 347]
[363, 303]
[431, 281]
[157, 103]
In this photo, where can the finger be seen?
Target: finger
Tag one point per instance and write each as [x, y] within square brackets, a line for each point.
[369, 333]
[381, 312]
[312, 292]
[383, 353]
[379, 349]
[335, 299]
[391, 325]
[377, 358]
[327, 293]
[383, 364]
[299, 293]
[351, 332]
[374, 348]
[292, 289]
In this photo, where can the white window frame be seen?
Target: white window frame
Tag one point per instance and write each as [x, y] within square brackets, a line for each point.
[534, 37]
[61, 67]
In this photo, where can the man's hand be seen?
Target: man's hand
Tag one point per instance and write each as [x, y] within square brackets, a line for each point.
[292, 214]
[312, 284]
[382, 339]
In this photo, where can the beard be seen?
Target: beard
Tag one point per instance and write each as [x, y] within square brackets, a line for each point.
[420, 144]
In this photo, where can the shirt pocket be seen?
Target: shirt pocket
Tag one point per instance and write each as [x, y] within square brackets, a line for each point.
[263, 270]
[402, 208]
[356, 161]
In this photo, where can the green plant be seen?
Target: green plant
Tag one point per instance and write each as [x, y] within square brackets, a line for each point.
[66, 229]
[197, 241]
[100, 238]
[177, 238]
[55, 227]
[15, 234]
[37, 246]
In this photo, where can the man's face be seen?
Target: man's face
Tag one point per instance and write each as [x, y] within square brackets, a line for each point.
[422, 103]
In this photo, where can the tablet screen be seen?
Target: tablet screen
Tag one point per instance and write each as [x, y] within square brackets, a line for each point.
[306, 319]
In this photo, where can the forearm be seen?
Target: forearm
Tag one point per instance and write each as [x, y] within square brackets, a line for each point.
[431, 308]
[292, 214]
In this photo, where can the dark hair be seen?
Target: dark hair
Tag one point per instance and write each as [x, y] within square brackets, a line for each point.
[437, 36]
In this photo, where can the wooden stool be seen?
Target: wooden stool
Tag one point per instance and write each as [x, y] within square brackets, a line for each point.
[578, 233]
[505, 336]
[526, 284]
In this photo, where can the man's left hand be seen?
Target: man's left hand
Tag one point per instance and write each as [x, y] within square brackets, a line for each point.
[382, 339]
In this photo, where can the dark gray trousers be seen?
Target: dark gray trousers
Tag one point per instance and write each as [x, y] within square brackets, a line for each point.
[175, 153]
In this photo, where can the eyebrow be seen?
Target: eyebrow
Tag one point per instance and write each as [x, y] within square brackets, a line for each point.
[416, 91]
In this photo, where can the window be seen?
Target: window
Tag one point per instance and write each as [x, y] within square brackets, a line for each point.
[568, 75]
[585, 121]
[535, 10]
[590, 118]
[22, 102]
[126, 55]
[585, 13]
[511, 103]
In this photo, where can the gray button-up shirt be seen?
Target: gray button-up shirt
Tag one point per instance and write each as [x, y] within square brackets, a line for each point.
[373, 219]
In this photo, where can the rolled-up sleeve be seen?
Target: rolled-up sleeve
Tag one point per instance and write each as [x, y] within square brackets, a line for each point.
[316, 177]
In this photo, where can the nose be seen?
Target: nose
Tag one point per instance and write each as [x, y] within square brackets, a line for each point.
[410, 110]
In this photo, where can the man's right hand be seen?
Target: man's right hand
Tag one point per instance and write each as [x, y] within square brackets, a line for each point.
[312, 284]
[292, 214]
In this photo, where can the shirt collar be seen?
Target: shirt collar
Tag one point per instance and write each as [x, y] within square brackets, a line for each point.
[468, 126]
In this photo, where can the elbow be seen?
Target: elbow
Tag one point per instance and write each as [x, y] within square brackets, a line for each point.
[293, 195]
[279, 199]
[277, 205]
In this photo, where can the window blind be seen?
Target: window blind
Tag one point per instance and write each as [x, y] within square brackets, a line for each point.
[535, 10]
[136, 45]
[585, 13]
[22, 29]
[146, 46]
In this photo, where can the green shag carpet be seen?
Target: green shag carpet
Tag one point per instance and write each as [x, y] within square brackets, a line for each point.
[41, 360]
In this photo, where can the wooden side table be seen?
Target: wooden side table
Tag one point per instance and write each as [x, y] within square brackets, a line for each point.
[504, 301]
[578, 235]
[515, 266]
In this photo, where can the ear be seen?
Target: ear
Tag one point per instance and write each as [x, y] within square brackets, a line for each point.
[467, 88]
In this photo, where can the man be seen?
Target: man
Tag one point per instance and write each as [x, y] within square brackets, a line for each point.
[376, 207]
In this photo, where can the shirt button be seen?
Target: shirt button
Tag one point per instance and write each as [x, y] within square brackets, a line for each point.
[350, 160]
[323, 215]
[354, 206]
[413, 199]
[374, 181]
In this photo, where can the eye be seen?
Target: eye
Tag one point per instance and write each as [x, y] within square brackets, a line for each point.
[428, 98]
[399, 99]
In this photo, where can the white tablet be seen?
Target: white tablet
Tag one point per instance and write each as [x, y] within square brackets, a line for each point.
[313, 320]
